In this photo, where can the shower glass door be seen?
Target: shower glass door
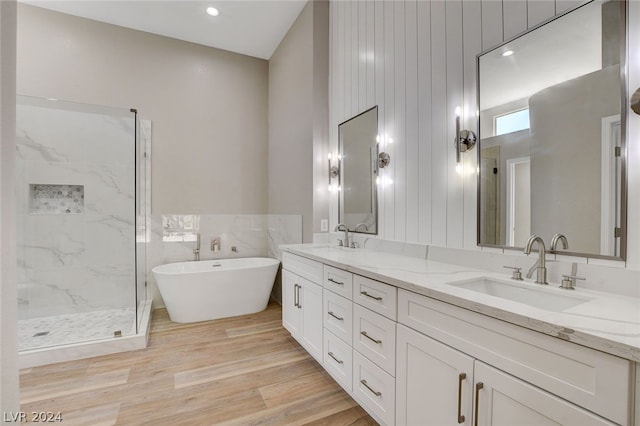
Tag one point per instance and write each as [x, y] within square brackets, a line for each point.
[76, 222]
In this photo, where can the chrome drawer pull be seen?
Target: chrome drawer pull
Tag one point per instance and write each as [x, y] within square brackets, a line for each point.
[364, 333]
[364, 293]
[335, 359]
[335, 316]
[375, 392]
[479, 386]
[334, 281]
[461, 377]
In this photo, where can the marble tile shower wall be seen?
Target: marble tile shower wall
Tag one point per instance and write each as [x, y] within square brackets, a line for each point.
[173, 236]
[75, 261]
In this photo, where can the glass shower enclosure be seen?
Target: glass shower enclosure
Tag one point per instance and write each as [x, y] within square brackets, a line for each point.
[81, 223]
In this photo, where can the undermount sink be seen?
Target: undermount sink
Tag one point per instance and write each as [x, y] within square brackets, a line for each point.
[543, 298]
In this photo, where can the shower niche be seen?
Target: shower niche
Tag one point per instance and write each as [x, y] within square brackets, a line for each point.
[56, 199]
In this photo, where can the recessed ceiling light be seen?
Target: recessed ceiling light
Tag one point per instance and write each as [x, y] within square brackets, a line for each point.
[213, 11]
[507, 53]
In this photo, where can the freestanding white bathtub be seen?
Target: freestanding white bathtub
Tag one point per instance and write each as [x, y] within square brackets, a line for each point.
[210, 289]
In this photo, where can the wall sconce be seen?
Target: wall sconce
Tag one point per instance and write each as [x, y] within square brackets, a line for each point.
[635, 102]
[334, 171]
[383, 160]
[465, 139]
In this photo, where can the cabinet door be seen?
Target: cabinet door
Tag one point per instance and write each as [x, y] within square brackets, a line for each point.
[290, 311]
[310, 305]
[504, 400]
[434, 382]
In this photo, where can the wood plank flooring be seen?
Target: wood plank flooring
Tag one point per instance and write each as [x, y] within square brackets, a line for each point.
[244, 370]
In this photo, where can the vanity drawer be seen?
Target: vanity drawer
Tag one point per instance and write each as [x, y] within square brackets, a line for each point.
[377, 296]
[338, 360]
[338, 281]
[374, 336]
[586, 377]
[306, 268]
[338, 315]
[374, 389]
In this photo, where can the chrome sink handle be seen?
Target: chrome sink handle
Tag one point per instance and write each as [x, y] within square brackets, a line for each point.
[569, 282]
[517, 274]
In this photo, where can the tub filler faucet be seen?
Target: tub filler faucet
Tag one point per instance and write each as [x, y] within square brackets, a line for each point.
[196, 251]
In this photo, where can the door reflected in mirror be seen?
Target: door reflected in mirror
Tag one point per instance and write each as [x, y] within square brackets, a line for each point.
[551, 157]
[358, 200]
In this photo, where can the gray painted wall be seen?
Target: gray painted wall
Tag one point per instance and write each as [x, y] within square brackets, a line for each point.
[565, 124]
[208, 106]
[298, 111]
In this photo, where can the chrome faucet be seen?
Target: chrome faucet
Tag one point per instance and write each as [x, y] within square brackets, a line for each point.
[555, 239]
[541, 277]
[343, 227]
[196, 251]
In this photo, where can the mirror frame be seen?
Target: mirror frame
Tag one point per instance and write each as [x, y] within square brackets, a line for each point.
[374, 186]
[624, 37]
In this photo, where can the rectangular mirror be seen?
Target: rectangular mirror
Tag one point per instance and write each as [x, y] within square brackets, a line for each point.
[358, 151]
[552, 134]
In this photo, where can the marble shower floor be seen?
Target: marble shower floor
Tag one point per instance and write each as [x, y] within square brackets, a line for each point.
[56, 330]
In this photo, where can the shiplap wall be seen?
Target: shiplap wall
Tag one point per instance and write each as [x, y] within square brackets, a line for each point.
[416, 60]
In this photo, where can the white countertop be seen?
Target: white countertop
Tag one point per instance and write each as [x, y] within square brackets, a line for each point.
[602, 321]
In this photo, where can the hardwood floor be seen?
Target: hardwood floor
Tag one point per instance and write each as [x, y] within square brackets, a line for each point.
[243, 370]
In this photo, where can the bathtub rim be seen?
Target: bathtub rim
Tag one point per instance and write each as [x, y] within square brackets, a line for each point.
[268, 262]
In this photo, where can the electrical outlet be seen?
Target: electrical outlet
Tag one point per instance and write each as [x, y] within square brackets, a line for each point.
[324, 225]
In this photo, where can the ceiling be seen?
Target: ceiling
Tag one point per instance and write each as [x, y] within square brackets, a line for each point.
[250, 27]
[558, 51]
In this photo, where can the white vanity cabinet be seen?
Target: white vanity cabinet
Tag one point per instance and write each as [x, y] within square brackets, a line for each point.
[503, 400]
[434, 382]
[302, 302]
[338, 325]
[409, 359]
[360, 339]
[518, 376]
[438, 385]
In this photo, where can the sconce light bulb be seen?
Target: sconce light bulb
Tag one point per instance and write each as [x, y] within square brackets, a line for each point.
[378, 181]
[458, 111]
[377, 138]
[459, 168]
[329, 155]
